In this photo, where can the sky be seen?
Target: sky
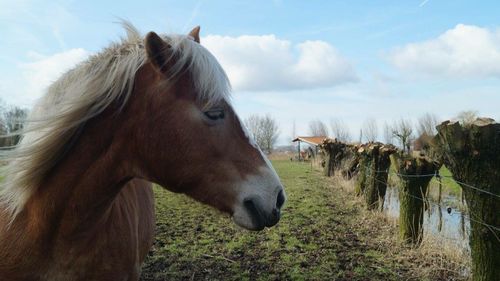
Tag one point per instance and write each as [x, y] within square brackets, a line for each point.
[294, 60]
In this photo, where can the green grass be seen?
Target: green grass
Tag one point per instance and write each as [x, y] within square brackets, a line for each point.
[449, 186]
[448, 183]
[318, 238]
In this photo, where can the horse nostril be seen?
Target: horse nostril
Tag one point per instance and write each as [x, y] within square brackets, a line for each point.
[281, 199]
[274, 218]
[253, 207]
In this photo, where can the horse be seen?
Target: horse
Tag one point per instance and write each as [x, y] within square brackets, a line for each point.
[77, 202]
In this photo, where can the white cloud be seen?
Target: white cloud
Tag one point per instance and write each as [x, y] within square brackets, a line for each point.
[466, 51]
[42, 70]
[262, 63]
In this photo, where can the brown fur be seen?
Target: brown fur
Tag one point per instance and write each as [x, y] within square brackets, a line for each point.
[92, 216]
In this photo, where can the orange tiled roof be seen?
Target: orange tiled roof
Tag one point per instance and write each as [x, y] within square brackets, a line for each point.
[311, 140]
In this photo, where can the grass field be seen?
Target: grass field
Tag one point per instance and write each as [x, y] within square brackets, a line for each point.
[324, 234]
[448, 184]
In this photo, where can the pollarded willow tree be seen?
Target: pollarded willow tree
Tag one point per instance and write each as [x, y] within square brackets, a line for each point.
[350, 165]
[472, 153]
[364, 171]
[376, 184]
[334, 152]
[373, 172]
[415, 173]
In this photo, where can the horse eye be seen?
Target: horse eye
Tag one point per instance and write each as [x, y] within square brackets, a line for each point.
[215, 114]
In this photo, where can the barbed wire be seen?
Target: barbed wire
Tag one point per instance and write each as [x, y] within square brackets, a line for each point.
[414, 176]
[427, 201]
[437, 175]
[471, 186]
[489, 226]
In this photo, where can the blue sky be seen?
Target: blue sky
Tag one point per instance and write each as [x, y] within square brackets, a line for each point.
[294, 60]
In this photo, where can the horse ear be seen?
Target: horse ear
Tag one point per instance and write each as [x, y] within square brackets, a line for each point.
[158, 51]
[195, 33]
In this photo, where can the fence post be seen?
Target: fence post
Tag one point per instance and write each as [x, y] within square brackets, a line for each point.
[472, 153]
[414, 173]
[440, 224]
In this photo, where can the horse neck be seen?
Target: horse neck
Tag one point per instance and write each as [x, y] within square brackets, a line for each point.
[82, 186]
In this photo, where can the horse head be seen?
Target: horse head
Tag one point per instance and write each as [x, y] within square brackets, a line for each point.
[186, 136]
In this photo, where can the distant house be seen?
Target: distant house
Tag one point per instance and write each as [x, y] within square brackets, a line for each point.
[313, 142]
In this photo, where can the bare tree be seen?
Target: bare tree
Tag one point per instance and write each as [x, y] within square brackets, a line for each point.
[253, 125]
[270, 132]
[426, 130]
[388, 136]
[340, 130]
[12, 120]
[403, 131]
[265, 131]
[318, 128]
[294, 134]
[370, 130]
[467, 117]
[427, 124]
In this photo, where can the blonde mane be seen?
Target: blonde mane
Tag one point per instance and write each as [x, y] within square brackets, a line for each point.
[86, 91]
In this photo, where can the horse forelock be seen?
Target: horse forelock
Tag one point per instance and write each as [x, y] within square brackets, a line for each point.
[86, 91]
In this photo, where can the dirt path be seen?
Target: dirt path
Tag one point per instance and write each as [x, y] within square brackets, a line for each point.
[324, 235]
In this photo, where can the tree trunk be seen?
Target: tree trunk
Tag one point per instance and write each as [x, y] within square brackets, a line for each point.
[472, 154]
[412, 189]
[376, 184]
[351, 166]
[330, 164]
[334, 152]
[363, 172]
[440, 216]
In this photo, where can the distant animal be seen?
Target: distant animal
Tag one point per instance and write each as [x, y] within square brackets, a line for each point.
[77, 202]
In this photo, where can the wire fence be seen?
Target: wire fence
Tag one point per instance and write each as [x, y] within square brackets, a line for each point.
[492, 228]
[437, 175]
[472, 187]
